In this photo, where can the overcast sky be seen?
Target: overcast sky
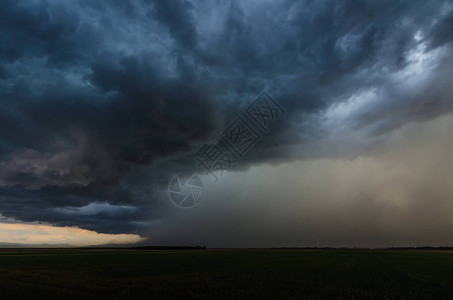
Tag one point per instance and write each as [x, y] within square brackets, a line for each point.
[102, 103]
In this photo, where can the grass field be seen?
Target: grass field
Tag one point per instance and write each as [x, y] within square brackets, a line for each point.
[225, 274]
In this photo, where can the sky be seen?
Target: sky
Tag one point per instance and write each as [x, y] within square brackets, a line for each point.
[104, 103]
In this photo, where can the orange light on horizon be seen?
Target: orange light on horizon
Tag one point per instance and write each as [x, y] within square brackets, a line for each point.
[20, 233]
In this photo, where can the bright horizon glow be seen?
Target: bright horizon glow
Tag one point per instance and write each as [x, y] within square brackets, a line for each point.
[30, 234]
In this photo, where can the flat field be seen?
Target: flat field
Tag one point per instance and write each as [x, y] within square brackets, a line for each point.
[225, 274]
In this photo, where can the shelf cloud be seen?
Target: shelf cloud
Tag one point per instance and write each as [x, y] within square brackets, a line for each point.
[101, 104]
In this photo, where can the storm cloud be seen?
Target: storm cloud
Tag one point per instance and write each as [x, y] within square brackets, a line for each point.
[101, 103]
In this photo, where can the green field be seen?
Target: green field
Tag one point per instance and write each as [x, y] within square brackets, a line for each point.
[225, 274]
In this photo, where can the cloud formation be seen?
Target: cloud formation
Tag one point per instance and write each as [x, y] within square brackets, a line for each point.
[101, 103]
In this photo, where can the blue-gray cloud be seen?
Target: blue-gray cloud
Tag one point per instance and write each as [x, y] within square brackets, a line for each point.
[100, 102]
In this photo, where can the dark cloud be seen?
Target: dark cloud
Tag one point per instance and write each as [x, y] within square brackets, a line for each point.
[102, 102]
[176, 16]
[442, 32]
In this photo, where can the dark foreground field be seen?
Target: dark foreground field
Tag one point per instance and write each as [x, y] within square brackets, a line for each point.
[262, 274]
